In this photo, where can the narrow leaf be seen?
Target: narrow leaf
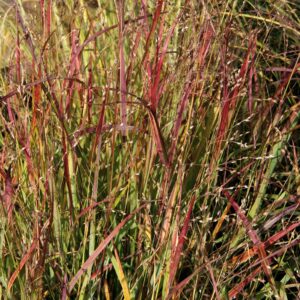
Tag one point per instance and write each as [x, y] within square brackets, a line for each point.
[182, 238]
[120, 273]
[100, 248]
[25, 258]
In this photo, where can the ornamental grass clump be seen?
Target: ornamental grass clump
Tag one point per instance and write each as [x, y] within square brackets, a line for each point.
[149, 149]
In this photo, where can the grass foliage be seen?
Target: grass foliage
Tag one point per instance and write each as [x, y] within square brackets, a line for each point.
[149, 149]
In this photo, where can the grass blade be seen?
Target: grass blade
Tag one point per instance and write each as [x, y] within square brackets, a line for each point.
[23, 261]
[181, 240]
[120, 273]
[254, 237]
[100, 248]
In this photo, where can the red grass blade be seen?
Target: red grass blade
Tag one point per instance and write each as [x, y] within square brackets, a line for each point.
[280, 215]
[25, 258]
[37, 95]
[160, 145]
[99, 127]
[281, 234]
[90, 90]
[250, 85]
[102, 31]
[206, 39]
[180, 111]
[123, 88]
[230, 102]
[252, 233]
[144, 8]
[133, 55]
[154, 91]
[74, 67]
[182, 238]
[146, 61]
[25, 30]
[100, 248]
[90, 207]
[64, 289]
[99, 272]
[176, 289]
[42, 7]
[49, 17]
[239, 287]
[24, 141]
[202, 54]
[284, 81]
[253, 236]
[270, 241]
[10, 110]
[18, 59]
[280, 251]
[212, 276]
[153, 26]
[8, 194]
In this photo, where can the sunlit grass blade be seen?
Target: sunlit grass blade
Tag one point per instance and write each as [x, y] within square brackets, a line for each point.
[99, 249]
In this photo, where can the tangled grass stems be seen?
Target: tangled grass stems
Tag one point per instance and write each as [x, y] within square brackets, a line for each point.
[149, 150]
